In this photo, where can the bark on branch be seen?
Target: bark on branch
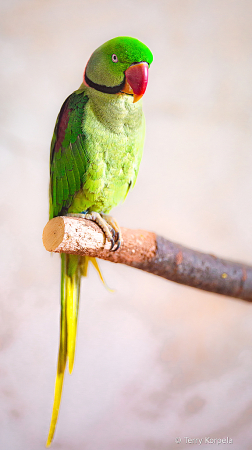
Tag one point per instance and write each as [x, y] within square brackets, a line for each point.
[152, 253]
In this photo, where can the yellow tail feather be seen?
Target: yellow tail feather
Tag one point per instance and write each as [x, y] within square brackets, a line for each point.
[62, 356]
[72, 316]
[56, 405]
[95, 264]
[72, 268]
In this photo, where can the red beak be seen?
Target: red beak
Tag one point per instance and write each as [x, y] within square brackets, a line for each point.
[136, 80]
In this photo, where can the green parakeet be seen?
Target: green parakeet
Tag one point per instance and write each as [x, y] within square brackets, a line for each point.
[96, 150]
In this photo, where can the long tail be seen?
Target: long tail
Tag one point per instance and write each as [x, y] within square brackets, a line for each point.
[70, 293]
[72, 268]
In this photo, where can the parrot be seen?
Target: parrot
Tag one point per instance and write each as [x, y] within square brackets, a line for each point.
[95, 154]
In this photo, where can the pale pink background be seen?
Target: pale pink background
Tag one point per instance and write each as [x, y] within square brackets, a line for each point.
[155, 360]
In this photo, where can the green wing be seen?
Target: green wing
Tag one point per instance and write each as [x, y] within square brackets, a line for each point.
[68, 159]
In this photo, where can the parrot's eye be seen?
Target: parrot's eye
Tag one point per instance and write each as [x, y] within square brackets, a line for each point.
[114, 58]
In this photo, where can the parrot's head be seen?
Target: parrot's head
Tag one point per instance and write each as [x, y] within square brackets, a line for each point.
[119, 65]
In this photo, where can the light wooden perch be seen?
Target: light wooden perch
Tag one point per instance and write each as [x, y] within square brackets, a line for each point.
[149, 252]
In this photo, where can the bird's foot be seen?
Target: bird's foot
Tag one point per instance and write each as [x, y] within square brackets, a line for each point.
[116, 231]
[108, 225]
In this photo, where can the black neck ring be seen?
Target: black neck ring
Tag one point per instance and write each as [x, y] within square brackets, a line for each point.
[103, 88]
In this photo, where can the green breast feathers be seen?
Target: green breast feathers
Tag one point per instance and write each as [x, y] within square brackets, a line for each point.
[95, 152]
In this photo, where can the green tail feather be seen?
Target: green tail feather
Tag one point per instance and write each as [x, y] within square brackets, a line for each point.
[72, 268]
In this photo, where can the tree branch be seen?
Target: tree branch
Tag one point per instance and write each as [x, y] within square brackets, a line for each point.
[152, 253]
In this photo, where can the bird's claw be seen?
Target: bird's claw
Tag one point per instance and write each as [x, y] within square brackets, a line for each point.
[115, 231]
[108, 225]
[112, 244]
[118, 245]
[117, 241]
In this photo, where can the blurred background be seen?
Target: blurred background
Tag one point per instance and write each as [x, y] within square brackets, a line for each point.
[155, 360]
